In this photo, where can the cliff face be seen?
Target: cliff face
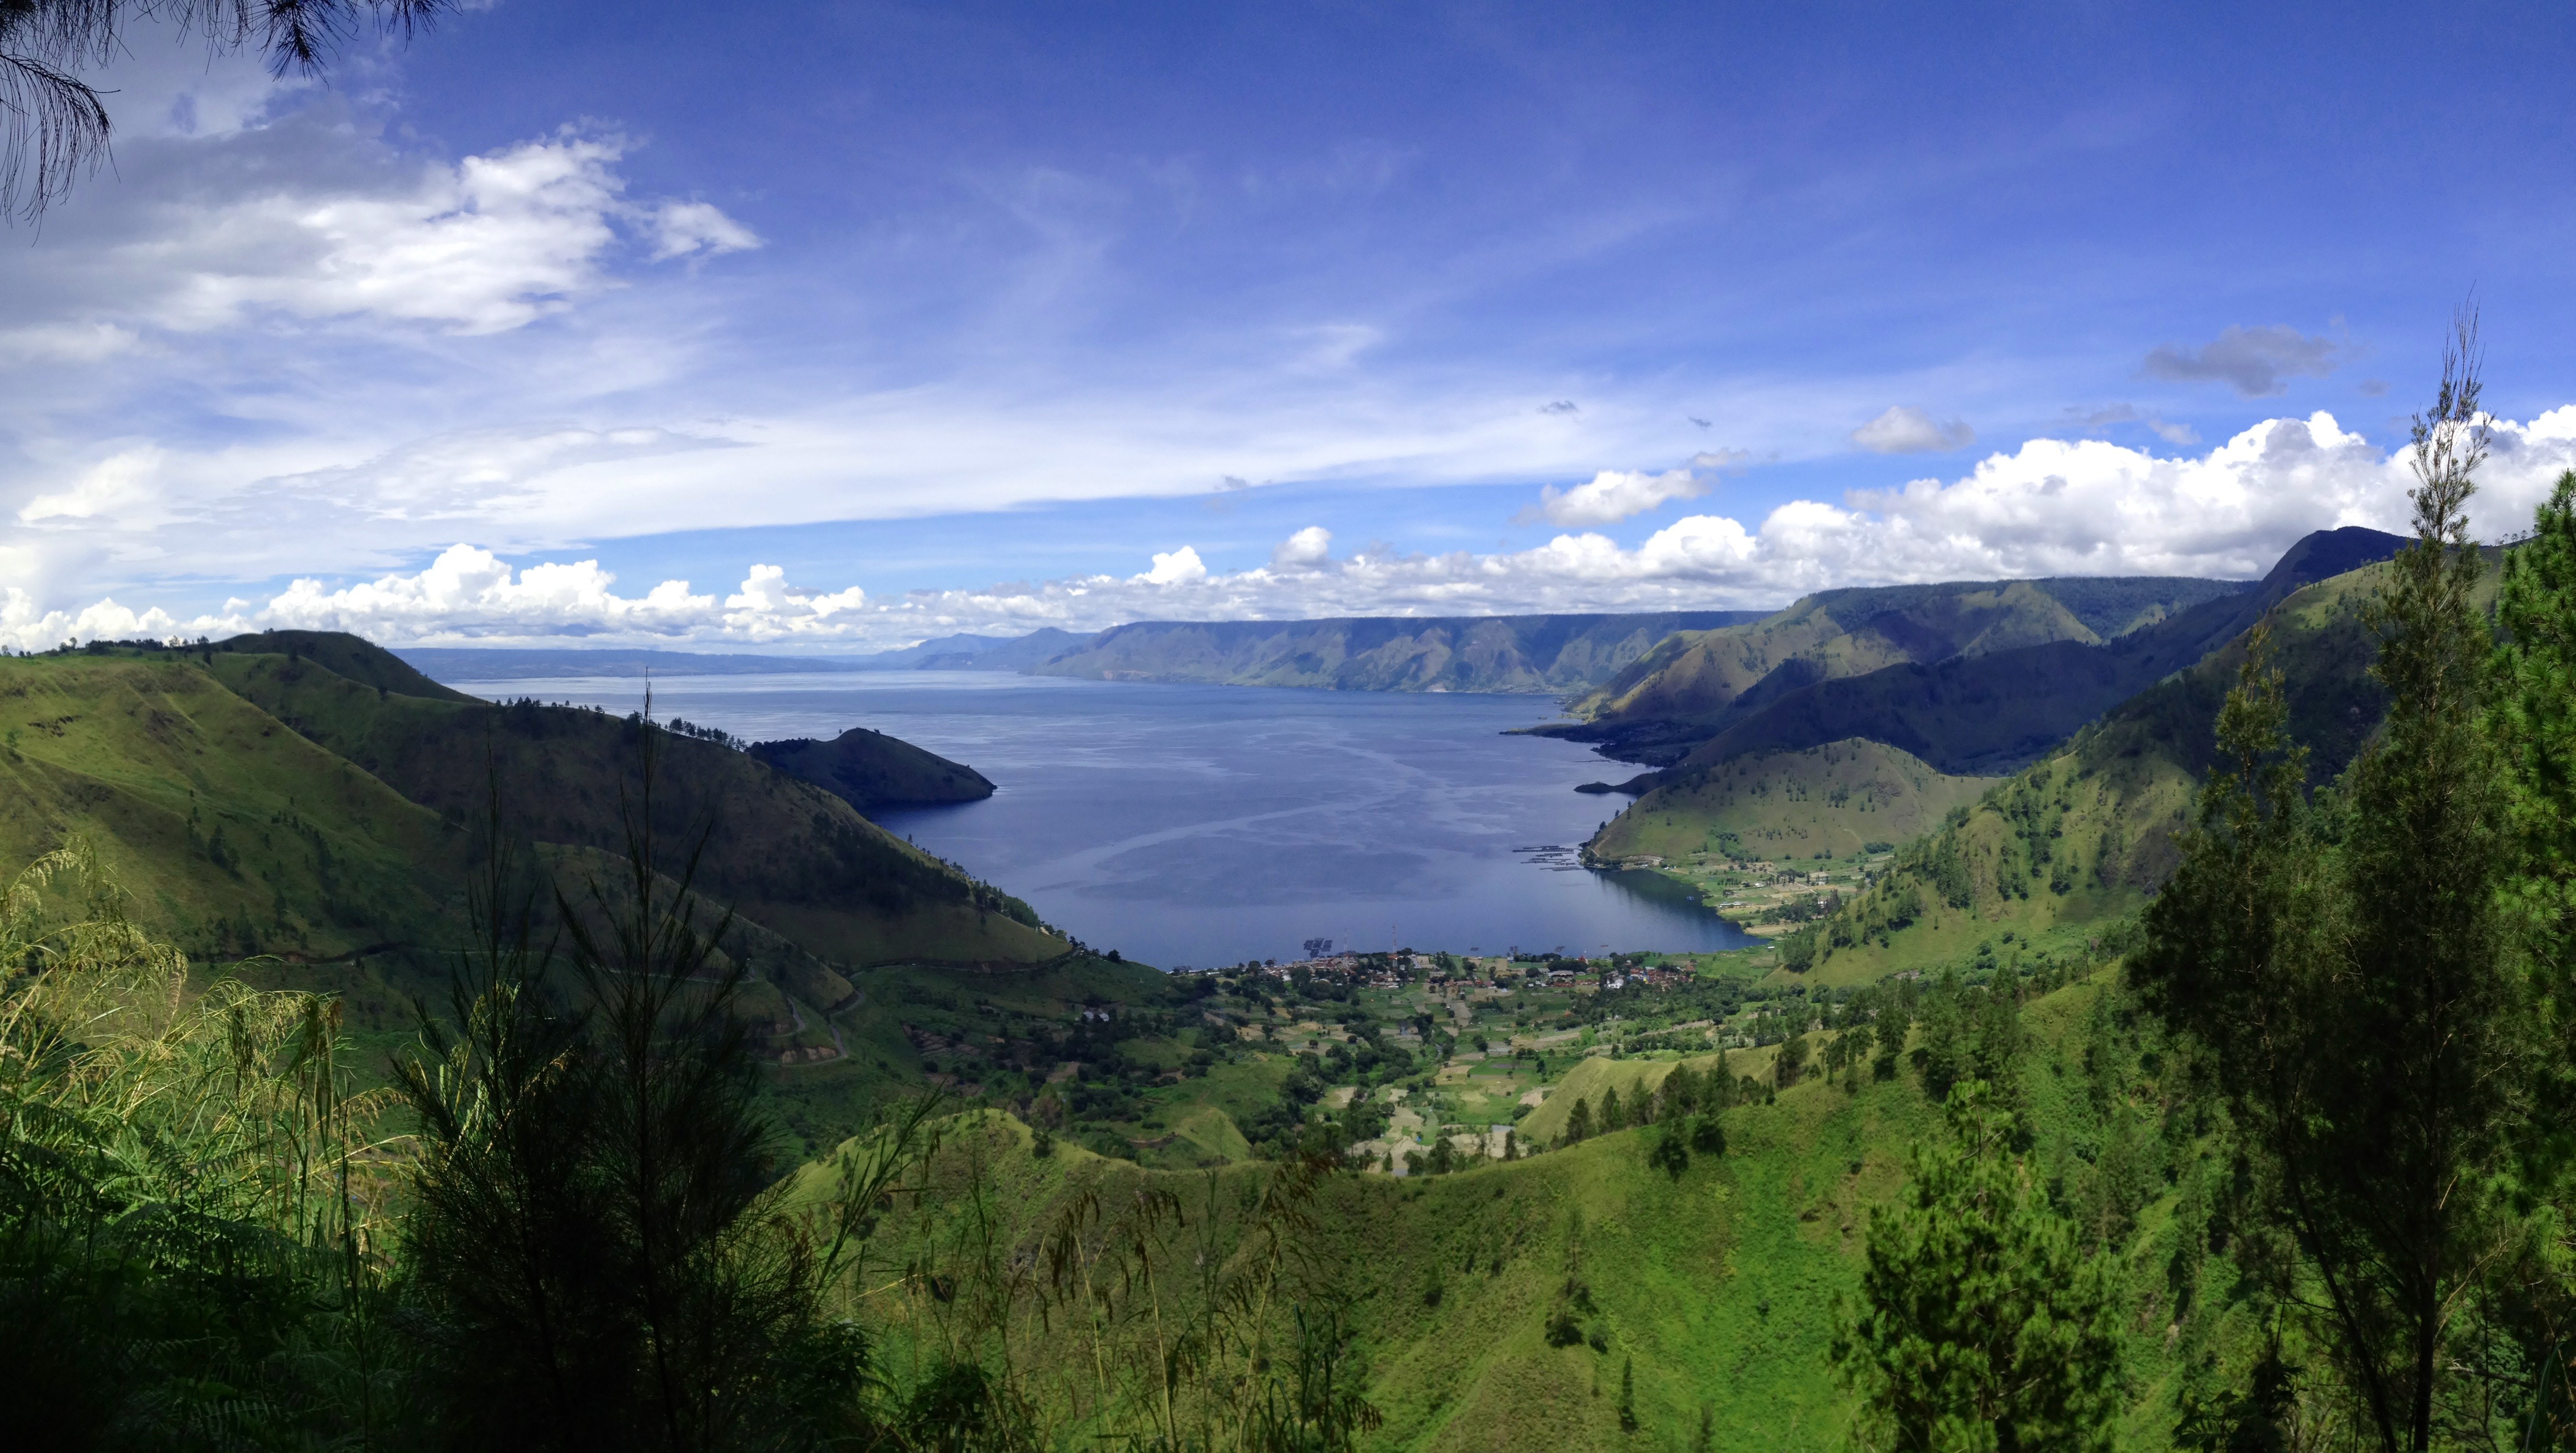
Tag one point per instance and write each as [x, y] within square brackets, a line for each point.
[1539, 654]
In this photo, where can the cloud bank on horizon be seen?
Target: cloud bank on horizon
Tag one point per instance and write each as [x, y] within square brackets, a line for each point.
[2050, 508]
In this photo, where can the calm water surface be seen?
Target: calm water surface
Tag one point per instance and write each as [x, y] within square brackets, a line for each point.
[1208, 824]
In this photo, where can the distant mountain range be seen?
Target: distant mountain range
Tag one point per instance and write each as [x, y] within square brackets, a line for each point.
[1537, 654]
[1544, 653]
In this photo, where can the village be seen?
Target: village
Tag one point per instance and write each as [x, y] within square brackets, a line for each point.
[1504, 1036]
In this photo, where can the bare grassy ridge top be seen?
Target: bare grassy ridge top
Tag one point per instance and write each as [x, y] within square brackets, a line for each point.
[1834, 799]
[235, 831]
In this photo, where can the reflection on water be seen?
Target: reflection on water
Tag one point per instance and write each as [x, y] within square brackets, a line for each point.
[1208, 825]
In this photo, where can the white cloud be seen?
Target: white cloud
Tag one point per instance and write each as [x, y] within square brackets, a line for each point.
[685, 229]
[299, 220]
[2051, 507]
[1611, 496]
[1904, 429]
[1181, 567]
[1309, 549]
[120, 484]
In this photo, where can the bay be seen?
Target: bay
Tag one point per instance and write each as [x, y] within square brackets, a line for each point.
[1208, 825]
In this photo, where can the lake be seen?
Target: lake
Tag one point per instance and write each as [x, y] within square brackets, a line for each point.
[1207, 825]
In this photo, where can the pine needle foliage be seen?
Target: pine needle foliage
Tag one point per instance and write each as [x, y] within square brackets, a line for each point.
[1982, 1326]
[600, 1246]
[2533, 722]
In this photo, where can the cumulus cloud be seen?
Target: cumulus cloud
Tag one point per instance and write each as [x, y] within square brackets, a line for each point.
[1309, 549]
[1908, 430]
[1613, 495]
[2256, 362]
[1181, 567]
[2051, 507]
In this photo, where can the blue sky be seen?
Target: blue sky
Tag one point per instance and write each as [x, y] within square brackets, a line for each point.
[875, 321]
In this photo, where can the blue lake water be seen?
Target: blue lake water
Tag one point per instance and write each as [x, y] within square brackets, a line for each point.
[1208, 825]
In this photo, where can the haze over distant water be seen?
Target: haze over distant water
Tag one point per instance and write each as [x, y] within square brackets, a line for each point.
[1207, 824]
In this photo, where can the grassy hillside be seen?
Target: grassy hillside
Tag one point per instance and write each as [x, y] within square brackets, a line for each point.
[1479, 653]
[869, 769]
[1932, 673]
[789, 855]
[1711, 1295]
[1834, 799]
[237, 835]
[2083, 836]
[1999, 711]
[1704, 676]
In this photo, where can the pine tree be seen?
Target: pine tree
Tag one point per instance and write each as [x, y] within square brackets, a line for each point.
[2352, 976]
[2533, 722]
[1981, 1323]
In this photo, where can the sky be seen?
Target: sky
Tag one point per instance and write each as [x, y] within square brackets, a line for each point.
[832, 327]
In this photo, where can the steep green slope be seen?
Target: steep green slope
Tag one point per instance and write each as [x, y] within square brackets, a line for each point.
[1477, 653]
[790, 856]
[2083, 836]
[1970, 704]
[869, 769]
[237, 835]
[1999, 711]
[1835, 799]
[1504, 1307]
[1692, 686]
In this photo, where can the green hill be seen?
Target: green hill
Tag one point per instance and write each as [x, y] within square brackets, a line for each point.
[1834, 799]
[869, 769]
[274, 804]
[1972, 679]
[1693, 685]
[1505, 1306]
[1555, 653]
[2081, 837]
[238, 835]
[785, 853]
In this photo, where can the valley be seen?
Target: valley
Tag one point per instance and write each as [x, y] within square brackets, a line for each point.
[1537, 1198]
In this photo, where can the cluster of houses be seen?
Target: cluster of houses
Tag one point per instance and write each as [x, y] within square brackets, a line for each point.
[1394, 971]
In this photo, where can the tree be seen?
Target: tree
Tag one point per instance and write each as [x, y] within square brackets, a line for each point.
[2532, 719]
[1708, 1133]
[2351, 971]
[1578, 1123]
[54, 126]
[1671, 1154]
[600, 1248]
[1980, 1324]
[1792, 1059]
